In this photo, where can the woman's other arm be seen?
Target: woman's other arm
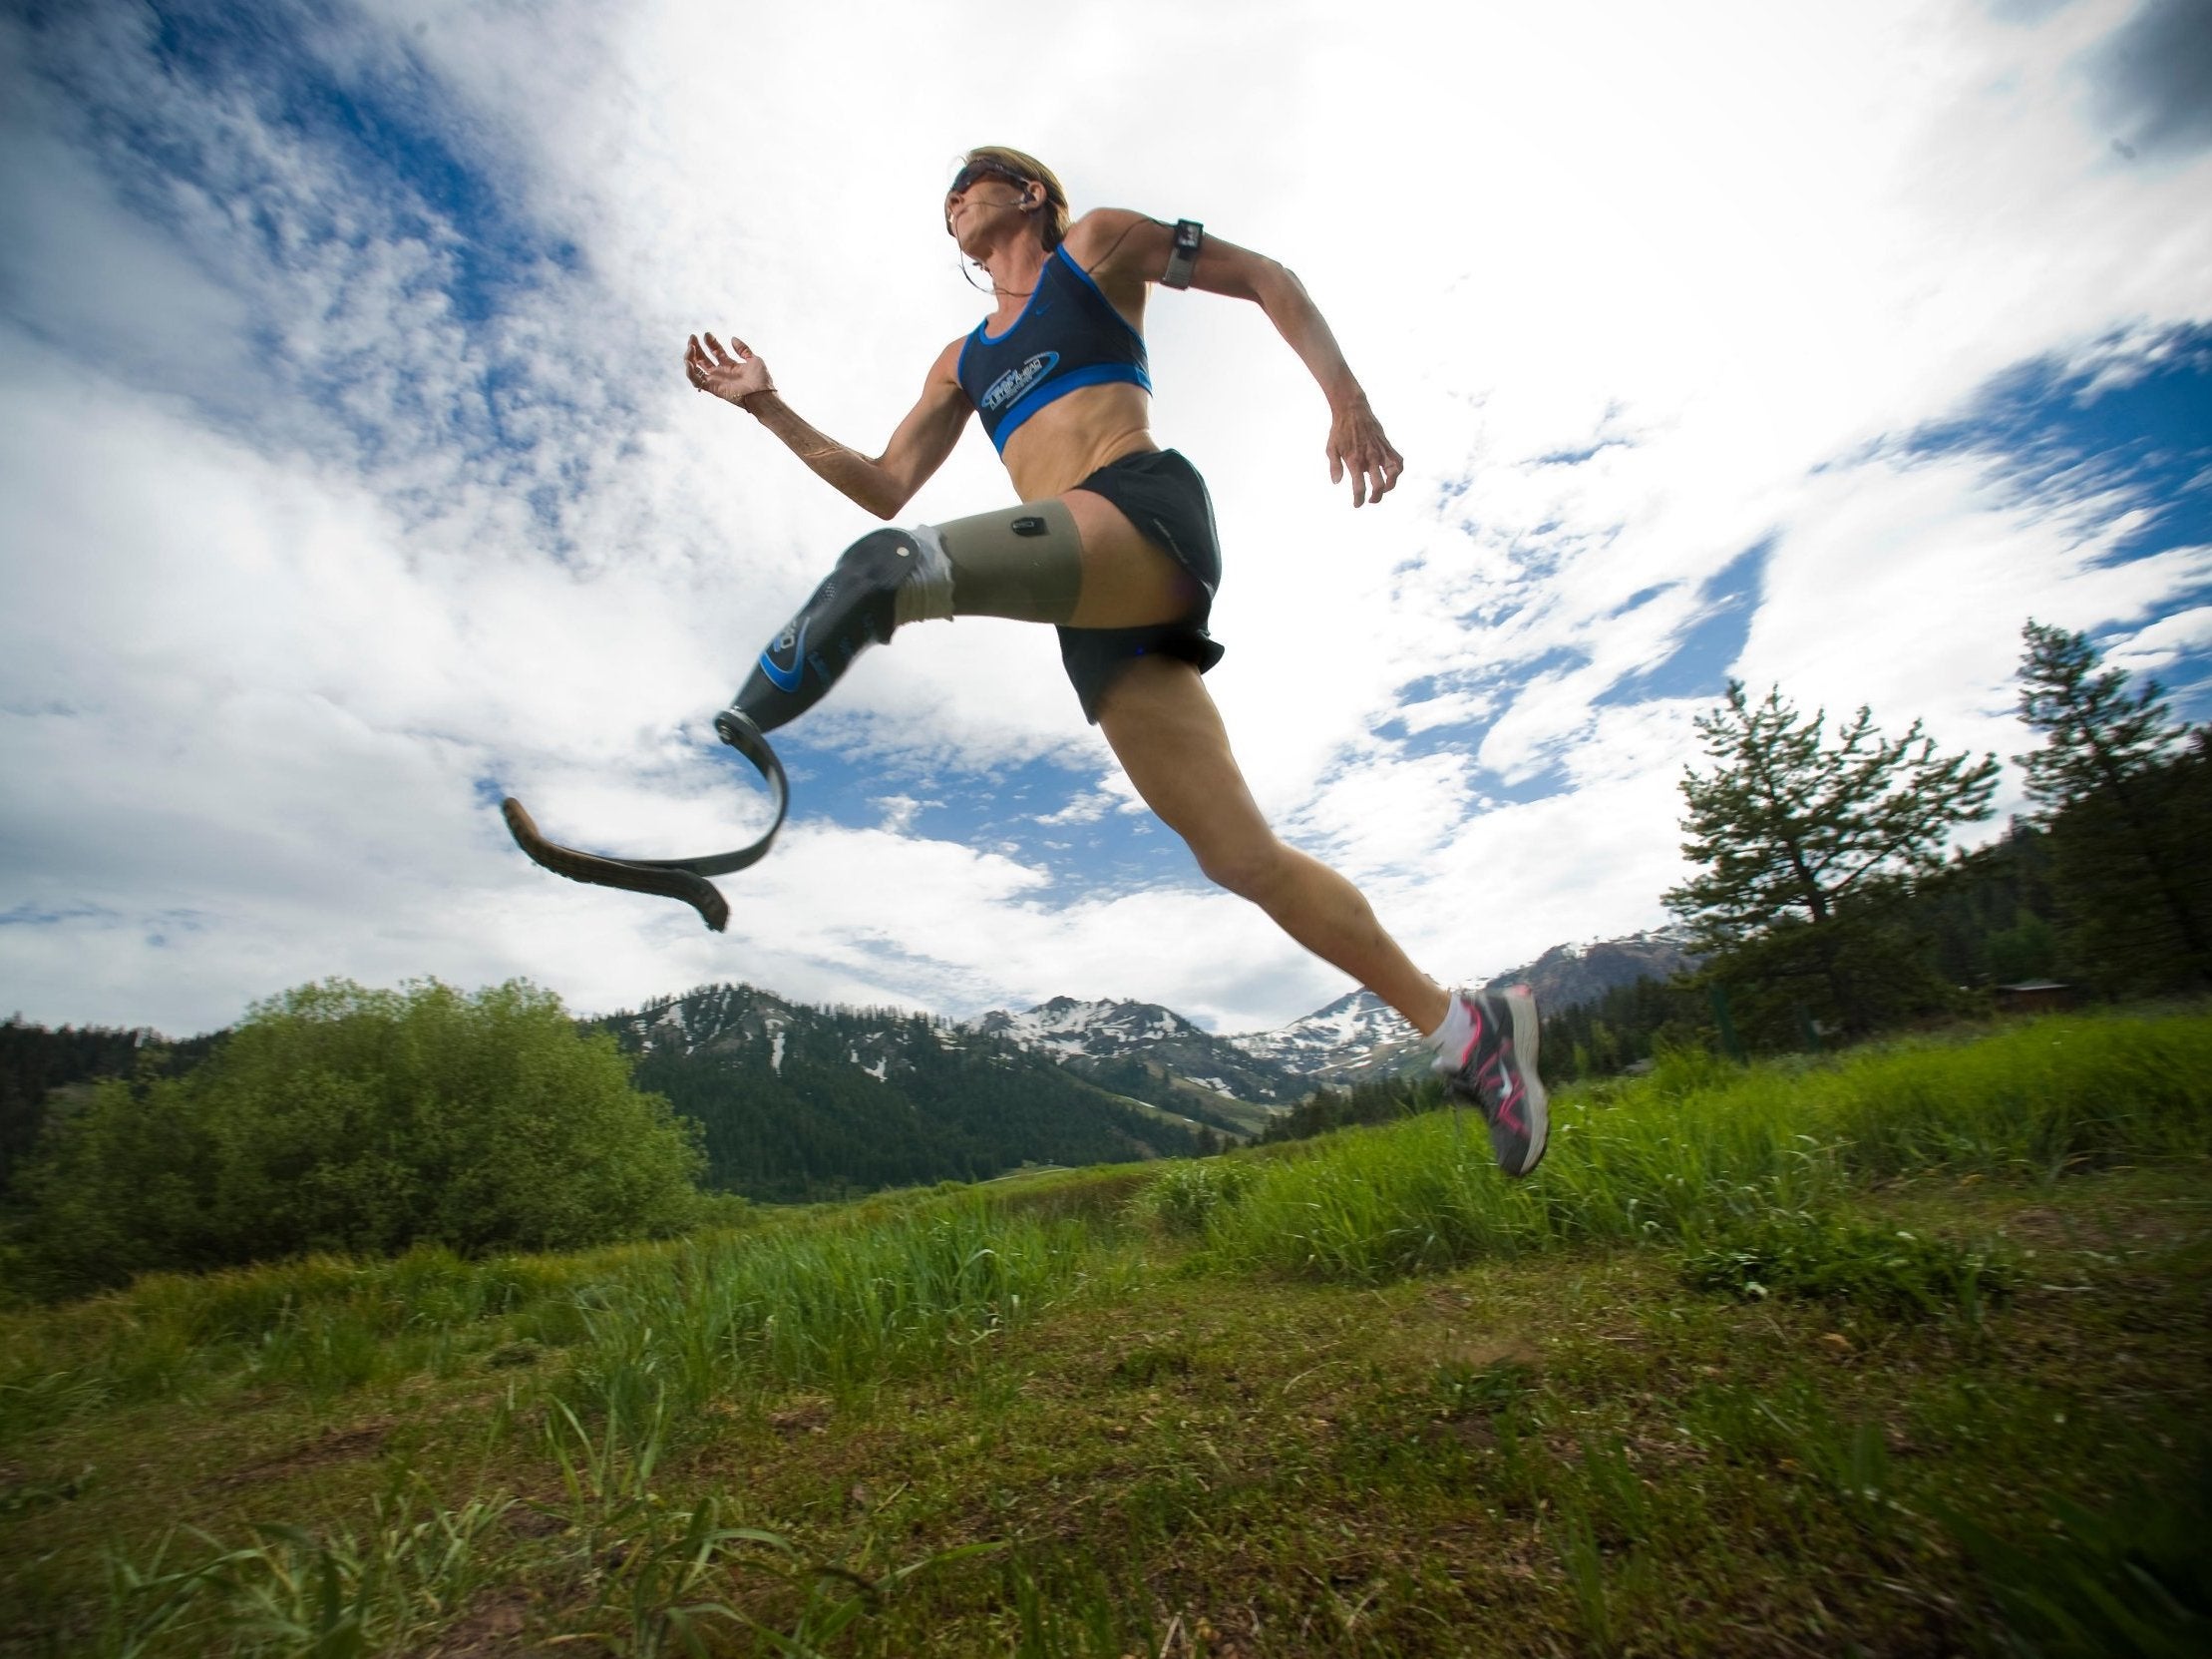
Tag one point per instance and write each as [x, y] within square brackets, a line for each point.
[1130, 247]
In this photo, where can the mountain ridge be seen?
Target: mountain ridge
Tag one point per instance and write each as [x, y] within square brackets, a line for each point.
[801, 1101]
[1145, 1053]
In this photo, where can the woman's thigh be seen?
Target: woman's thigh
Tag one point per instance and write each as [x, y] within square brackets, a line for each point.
[1129, 580]
[1163, 728]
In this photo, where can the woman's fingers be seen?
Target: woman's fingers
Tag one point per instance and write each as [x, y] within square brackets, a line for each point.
[1356, 445]
[1374, 471]
[711, 367]
[1374, 465]
[1386, 467]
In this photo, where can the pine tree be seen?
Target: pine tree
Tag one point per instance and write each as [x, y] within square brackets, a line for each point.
[2122, 789]
[1805, 843]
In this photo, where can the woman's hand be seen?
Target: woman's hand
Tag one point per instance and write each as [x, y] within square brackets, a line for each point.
[1356, 444]
[734, 378]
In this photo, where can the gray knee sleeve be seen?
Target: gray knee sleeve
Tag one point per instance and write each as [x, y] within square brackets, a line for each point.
[1026, 563]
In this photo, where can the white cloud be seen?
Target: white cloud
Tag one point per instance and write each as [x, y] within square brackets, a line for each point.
[1086, 808]
[2151, 649]
[310, 551]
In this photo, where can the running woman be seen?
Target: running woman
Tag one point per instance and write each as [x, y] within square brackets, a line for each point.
[1114, 545]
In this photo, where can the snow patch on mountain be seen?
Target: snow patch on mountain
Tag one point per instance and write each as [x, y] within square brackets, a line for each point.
[1356, 1037]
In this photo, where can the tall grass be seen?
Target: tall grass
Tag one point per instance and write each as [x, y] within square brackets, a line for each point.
[827, 1300]
[832, 1307]
[410, 1570]
[1700, 1149]
[324, 1324]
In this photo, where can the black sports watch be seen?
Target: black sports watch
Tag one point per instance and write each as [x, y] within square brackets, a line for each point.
[1188, 235]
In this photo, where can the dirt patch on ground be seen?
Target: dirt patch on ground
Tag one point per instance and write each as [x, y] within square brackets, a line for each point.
[498, 1624]
[804, 1413]
[2137, 1230]
[2038, 1227]
[364, 1439]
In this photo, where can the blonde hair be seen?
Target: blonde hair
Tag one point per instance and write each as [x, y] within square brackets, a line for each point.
[1053, 219]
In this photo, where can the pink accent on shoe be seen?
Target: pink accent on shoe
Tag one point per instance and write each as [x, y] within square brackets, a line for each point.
[1474, 1041]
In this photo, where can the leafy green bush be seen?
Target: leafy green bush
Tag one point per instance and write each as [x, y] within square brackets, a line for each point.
[343, 1120]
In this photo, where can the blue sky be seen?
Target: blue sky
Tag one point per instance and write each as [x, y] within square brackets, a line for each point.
[348, 479]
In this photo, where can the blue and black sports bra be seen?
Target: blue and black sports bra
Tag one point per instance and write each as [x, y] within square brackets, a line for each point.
[1068, 336]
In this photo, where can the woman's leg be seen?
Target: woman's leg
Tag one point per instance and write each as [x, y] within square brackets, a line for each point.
[1129, 580]
[1079, 560]
[1168, 737]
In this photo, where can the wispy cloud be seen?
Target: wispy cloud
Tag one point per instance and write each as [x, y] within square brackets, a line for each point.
[346, 479]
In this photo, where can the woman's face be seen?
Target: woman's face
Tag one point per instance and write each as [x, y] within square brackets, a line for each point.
[979, 194]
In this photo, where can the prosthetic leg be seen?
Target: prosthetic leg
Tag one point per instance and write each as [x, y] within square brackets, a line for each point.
[674, 878]
[1025, 563]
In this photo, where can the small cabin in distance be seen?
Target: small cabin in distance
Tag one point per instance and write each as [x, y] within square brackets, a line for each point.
[2036, 997]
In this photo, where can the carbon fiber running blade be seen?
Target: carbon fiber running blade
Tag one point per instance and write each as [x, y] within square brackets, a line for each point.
[673, 878]
[669, 882]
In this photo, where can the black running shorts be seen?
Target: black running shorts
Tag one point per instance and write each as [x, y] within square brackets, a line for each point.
[1164, 496]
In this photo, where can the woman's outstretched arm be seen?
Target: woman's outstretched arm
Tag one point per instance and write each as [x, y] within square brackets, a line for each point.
[883, 484]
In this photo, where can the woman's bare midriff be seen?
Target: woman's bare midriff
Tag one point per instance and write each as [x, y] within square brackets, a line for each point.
[1073, 436]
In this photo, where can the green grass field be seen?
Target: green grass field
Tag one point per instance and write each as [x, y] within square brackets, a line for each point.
[1907, 1353]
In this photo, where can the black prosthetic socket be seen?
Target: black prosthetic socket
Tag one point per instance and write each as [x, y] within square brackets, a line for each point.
[857, 606]
[850, 611]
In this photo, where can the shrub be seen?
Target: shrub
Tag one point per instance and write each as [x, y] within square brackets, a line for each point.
[344, 1120]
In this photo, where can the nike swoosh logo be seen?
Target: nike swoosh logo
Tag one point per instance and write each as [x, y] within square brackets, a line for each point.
[787, 680]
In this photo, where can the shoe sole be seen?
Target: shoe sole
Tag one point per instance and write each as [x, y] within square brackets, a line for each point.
[1525, 1031]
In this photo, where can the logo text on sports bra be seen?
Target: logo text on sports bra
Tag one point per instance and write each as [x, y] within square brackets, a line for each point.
[1014, 382]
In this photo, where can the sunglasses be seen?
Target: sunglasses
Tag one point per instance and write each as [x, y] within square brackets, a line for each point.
[969, 173]
[974, 172]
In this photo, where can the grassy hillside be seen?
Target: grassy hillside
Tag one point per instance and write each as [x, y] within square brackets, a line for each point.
[1903, 1353]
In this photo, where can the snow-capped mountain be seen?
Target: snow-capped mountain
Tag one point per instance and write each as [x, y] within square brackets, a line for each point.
[792, 1096]
[1152, 1054]
[1358, 1037]
[798, 1102]
[1098, 1030]
[1567, 976]
[1353, 1040]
